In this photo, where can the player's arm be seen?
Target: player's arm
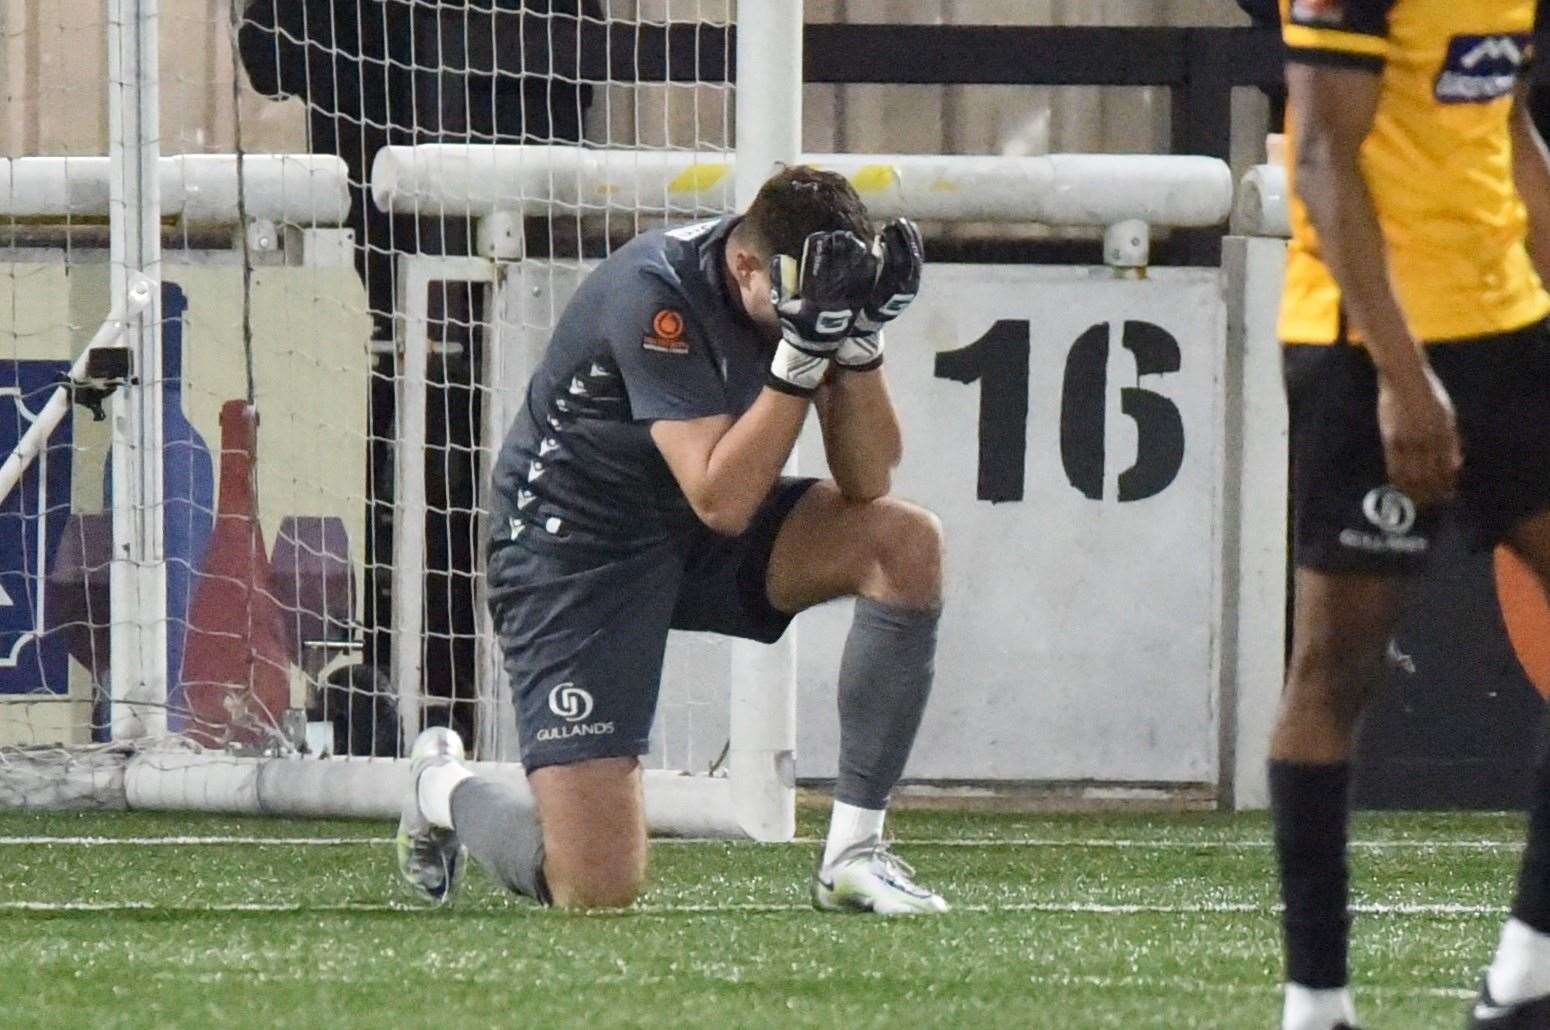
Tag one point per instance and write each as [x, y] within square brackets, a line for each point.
[1531, 171]
[726, 467]
[1334, 110]
[1334, 106]
[861, 436]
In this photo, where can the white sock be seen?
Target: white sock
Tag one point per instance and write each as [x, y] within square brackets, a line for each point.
[849, 826]
[1521, 969]
[435, 791]
[1309, 1008]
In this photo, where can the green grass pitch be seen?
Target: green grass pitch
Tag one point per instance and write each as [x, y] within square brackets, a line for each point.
[1061, 921]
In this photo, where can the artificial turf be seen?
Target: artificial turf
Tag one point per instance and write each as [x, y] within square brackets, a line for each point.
[1060, 921]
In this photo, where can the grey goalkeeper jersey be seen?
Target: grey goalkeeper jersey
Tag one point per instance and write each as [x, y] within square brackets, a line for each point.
[652, 333]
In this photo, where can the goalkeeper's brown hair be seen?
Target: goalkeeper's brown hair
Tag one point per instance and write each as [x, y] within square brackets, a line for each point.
[796, 202]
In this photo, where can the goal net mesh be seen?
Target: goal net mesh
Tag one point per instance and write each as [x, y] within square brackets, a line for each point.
[301, 457]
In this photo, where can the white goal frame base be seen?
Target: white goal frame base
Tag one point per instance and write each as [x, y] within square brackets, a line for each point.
[173, 778]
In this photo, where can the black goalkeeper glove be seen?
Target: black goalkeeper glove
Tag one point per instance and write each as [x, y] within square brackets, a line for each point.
[901, 254]
[817, 305]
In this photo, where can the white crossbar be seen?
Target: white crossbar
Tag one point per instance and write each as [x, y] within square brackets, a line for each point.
[1059, 189]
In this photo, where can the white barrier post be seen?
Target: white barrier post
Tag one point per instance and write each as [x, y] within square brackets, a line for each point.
[1254, 592]
[761, 758]
[138, 583]
[416, 272]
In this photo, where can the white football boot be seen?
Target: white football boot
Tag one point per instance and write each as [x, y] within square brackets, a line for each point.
[430, 858]
[871, 878]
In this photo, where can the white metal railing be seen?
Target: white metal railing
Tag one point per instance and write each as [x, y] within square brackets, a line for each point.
[307, 189]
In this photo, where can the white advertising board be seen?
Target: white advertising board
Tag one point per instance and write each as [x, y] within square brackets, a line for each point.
[1065, 424]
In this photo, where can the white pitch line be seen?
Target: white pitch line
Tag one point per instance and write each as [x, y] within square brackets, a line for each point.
[1170, 983]
[1090, 843]
[1210, 845]
[1105, 909]
[1047, 907]
[151, 906]
[156, 842]
[1099, 843]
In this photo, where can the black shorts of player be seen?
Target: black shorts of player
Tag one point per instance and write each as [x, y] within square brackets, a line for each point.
[584, 636]
[1348, 518]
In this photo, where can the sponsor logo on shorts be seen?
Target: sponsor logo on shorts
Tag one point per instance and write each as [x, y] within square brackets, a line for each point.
[1389, 509]
[1479, 69]
[1393, 514]
[570, 702]
[667, 333]
[574, 705]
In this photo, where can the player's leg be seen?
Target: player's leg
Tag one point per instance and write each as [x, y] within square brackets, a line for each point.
[594, 831]
[449, 813]
[1341, 626]
[809, 545]
[584, 644]
[888, 555]
[1517, 987]
[1356, 538]
[1501, 389]
[579, 841]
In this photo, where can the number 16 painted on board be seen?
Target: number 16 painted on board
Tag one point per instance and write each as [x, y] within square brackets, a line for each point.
[999, 362]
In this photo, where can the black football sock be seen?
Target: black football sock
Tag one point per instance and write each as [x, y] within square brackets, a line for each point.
[1532, 905]
[501, 832]
[1310, 808]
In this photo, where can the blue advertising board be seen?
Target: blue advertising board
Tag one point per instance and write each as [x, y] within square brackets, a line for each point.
[32, 520]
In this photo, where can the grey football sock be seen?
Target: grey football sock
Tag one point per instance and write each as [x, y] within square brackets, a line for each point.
[501, 832]
[885, 679]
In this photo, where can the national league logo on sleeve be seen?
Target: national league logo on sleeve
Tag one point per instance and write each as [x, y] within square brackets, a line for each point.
[667, 333]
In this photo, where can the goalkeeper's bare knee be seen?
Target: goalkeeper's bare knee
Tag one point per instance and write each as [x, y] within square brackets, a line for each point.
[907, 544]
[593, 815]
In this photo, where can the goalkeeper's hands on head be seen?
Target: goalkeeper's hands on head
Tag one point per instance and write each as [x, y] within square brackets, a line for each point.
[900, 255]
[818, 302]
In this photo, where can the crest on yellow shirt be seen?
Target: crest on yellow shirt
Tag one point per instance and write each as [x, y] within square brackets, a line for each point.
[1318, 12]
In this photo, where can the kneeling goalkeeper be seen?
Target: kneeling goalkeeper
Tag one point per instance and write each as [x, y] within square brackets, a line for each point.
[639, 490]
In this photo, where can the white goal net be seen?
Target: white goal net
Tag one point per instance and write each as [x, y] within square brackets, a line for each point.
[260, 573]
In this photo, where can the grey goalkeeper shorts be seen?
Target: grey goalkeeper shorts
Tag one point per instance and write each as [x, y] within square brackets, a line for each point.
[584, 636]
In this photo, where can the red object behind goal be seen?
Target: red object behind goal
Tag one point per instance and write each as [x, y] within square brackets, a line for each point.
[235, 668]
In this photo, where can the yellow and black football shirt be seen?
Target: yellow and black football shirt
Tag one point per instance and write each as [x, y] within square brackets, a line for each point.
[1438, 163]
